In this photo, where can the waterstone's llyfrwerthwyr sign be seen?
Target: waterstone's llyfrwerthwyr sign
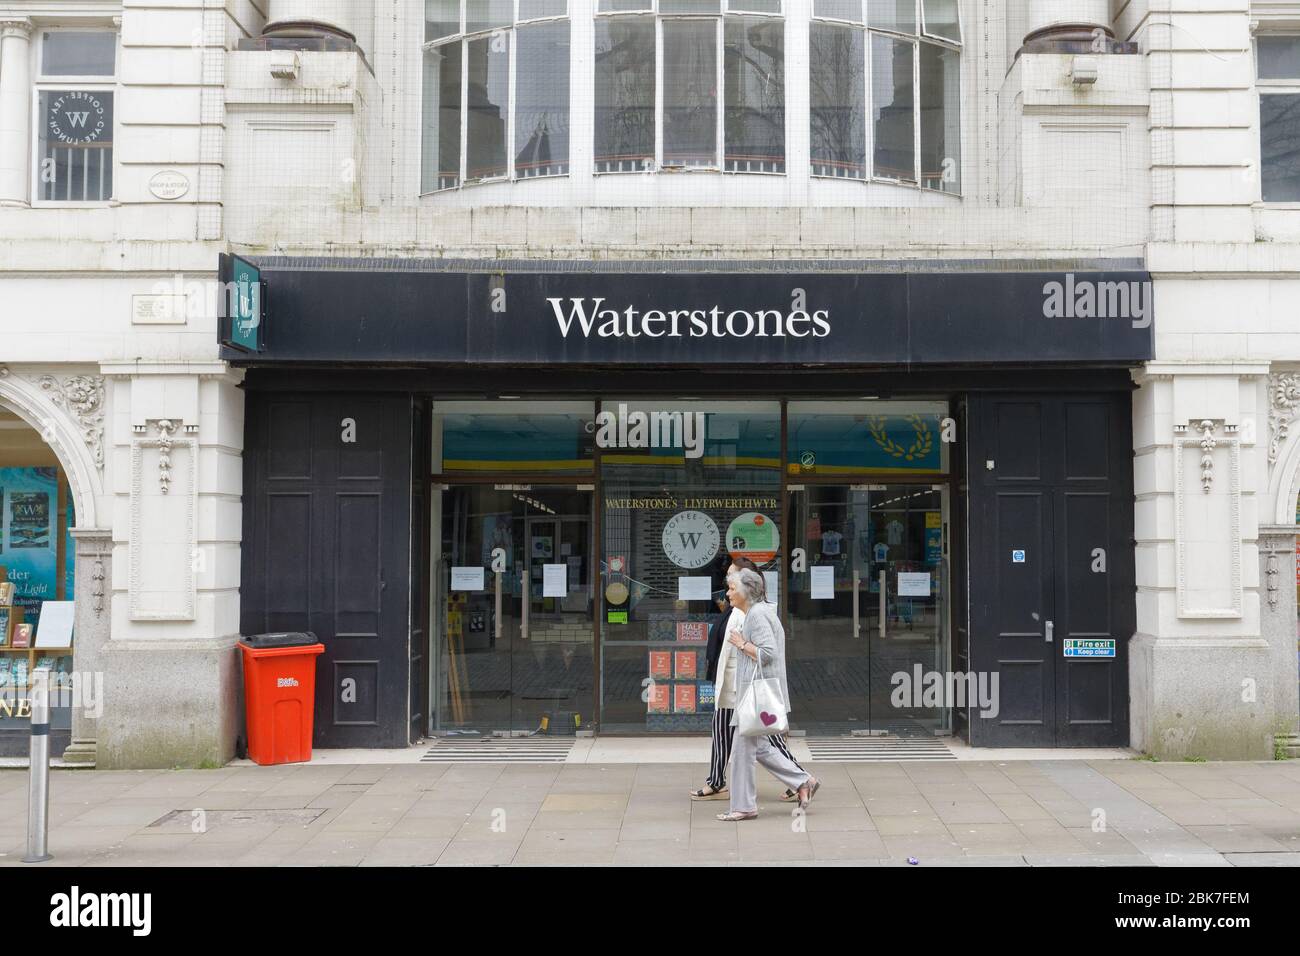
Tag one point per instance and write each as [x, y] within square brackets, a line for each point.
[79, 117]
[691, 539]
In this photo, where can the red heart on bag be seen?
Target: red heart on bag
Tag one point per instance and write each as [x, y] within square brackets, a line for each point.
[767, 719]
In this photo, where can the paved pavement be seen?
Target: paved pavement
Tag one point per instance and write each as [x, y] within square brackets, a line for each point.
[1017, 813]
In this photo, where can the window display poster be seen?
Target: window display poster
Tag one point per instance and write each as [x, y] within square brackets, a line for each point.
[555, 580]
[657, 701]
[913, 584]
[694, 588]
[661, 664]
[683, 698]
[467, 578]
[29, 531]
[823, 582]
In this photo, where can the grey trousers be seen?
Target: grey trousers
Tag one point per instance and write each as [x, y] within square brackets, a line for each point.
[745, 751]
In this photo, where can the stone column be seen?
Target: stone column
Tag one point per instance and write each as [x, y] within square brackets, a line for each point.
[92, 574]
[1277, 577]
[15, 111]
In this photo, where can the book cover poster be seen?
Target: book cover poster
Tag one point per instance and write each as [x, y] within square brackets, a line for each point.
[707, 697]
[683, 698]
[684, 665]
[29, 525]
[657, 702]
[692, 631]
[661, 664]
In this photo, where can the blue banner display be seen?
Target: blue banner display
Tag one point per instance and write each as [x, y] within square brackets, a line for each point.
[29, 537]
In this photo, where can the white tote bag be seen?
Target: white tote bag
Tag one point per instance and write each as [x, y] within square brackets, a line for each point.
[761, 711]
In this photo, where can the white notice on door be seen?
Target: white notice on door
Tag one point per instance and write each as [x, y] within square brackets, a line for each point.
[823, 582]
[694, 588]
[913, 584]
[555, 580]
[772, 581]
[467, 579]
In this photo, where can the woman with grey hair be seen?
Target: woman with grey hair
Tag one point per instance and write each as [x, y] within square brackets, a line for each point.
[761, 642]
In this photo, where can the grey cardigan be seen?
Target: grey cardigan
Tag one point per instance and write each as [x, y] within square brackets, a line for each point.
[763, 629]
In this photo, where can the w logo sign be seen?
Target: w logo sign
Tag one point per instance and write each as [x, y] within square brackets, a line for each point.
[691, 539]
[77, 119]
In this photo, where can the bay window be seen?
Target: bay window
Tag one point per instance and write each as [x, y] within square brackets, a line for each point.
[495, 92]
[74, 115]
[690, 84]
[886, 73]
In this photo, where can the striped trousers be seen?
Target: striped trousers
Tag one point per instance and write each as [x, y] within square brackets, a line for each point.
[723, 736]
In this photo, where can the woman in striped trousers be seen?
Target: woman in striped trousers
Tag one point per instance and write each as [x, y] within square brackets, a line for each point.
[722, 671]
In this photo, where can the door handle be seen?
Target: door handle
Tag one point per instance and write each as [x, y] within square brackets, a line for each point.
[857, 624]
[499, 575]
[1049, 631]
[884, 603]
[528, 599]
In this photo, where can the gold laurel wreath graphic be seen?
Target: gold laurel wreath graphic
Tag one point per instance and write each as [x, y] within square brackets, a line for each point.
[918, 449]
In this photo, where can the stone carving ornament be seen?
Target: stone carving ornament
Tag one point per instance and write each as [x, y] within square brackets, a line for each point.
[1284, 399]
[82, 396]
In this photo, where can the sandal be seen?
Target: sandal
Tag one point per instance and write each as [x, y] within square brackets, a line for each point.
[735, 816]
[812, 785]
[789, 796]
[708, 793]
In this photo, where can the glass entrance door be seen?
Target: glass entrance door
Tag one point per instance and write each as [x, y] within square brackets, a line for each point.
[867, 608]
[515, 589]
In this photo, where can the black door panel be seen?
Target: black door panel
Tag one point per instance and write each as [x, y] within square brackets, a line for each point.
[1051, 559]
[327, 548]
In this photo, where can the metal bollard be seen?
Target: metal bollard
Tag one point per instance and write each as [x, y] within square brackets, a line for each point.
[38, 789]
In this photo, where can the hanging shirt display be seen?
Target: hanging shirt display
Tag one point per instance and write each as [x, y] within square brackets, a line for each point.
[831, 542]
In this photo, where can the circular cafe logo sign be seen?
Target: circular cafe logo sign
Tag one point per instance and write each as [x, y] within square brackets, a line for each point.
[754, 536]
[77, 117]
[691, 539]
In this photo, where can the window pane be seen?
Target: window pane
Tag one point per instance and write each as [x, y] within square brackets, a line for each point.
[940, 118]
[838, 111]
[488, 14]
[1279, 58]
[690, 6]
[625, 94]
[850, 10]
[487, 104]
[754, 68]
[754, 6]
[78, 53]
[622, 6]
[891, 108]
[441, 139]
[532, 9]
[941, 19]
[896, 15]
[1279, 146]
[690, 93]
[441, 19]
[542, 100]
[76, 145]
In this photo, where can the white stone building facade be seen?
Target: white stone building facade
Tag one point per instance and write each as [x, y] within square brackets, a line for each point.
[1069, 132]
